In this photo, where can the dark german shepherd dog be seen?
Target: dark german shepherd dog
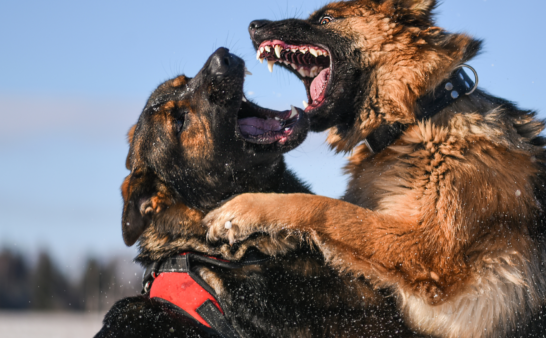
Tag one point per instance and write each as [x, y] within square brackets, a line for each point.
[198, 142]
[446, 201]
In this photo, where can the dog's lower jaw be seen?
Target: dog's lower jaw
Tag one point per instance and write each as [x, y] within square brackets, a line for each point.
[505, 289]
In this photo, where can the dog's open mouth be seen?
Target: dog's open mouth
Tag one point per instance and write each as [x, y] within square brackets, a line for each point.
[311, 63]
[265, 126]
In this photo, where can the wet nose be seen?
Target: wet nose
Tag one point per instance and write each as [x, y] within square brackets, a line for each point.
[255, 25]
[222, 61]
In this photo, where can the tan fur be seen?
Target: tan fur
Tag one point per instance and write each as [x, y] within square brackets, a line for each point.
[405, 61]
[447, 217]
[130, 135]
[179, 81]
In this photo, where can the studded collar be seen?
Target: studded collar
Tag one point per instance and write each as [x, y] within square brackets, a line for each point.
[451, 89]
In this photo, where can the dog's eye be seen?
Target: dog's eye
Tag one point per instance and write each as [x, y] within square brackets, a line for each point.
[179, 122]
[325, 19]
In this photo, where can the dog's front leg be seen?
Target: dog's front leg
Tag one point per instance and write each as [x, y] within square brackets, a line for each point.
[388, 249]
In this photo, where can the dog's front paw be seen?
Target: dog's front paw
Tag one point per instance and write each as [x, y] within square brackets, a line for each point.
[225, 230]
[236, 220]
[225, 225]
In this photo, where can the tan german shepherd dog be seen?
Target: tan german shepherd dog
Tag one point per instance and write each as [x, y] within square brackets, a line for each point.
[445, 205]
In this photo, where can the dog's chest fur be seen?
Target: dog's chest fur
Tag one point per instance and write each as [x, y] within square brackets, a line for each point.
[468, 176]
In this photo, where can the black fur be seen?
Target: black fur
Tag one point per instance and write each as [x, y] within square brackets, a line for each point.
[295, 295]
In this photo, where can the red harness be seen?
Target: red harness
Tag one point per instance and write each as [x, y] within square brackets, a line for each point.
[173, 281]
[181, 289]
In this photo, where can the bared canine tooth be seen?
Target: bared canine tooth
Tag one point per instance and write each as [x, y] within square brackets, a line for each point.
[258, 54]
[313, 52]
[262, 49]
[294, 112]
[278, 49]
[270, 65]
[261, 60]
[305, 104]
[267, 49]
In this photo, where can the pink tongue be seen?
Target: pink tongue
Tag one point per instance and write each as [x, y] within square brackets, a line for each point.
[319, 84]
[257, 126]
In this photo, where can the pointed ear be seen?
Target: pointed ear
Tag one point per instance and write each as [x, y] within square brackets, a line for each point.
[137, 192]
[419, 8]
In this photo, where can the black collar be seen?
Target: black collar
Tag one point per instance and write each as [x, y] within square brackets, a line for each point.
[454, 87]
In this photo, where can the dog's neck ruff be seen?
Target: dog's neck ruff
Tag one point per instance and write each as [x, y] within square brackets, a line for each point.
[449, 91]
[173, 283]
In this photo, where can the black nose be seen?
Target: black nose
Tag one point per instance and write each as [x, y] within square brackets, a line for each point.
[222, 61]
[255, 25]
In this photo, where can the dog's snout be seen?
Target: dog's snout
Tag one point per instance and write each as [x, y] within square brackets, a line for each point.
[222, 61]
[255, 25]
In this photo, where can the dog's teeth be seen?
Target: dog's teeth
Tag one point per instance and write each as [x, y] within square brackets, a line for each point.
[258, 54]
[294, 112]
[267, 49]
[293, 65]
[278, 49]
[247, 72]
[305, 104]
[286, 129]
[244, 99]
[313, 52]
[270, 65]
[304, 72]
[314, 71]
[293, 50]
[319, 52]
[277, 118]
[261, 60]
[303, 51]
[262, 49]
[325, 53]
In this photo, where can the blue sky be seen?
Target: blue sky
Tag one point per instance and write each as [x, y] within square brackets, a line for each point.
[74, 76]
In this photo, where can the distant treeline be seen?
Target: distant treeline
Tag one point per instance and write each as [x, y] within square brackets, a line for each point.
[43, 286]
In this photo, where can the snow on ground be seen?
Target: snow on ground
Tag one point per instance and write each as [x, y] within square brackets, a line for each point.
[49, 324]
